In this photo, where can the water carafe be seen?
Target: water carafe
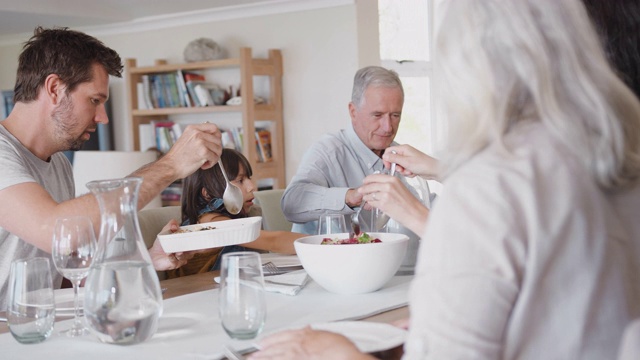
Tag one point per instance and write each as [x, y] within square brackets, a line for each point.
[123, 300]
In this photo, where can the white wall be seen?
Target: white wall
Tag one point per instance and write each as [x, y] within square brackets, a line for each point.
[320, 56]
[8, 65]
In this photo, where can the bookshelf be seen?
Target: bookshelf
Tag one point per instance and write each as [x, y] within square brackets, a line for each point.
[269, 112]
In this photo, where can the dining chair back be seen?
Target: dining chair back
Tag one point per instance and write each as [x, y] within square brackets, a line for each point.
[151, 222]
[272, 216]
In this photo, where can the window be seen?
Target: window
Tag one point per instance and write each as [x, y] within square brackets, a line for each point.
[406, 33]
[7, 103]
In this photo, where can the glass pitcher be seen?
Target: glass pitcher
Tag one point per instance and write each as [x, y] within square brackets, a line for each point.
[123, 300]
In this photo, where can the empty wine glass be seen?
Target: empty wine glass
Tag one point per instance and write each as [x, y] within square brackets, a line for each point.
[73, 248]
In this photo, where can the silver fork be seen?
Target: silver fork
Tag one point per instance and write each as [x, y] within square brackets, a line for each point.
[270, 268]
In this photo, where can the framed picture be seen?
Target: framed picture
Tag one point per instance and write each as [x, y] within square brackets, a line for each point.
[7, 103]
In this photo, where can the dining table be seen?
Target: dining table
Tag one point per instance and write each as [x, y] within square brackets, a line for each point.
[190, 327]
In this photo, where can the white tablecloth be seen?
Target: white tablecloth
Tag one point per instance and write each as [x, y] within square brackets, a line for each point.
[190, 326]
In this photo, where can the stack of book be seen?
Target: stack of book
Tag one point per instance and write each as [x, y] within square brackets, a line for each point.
[233, 139]
[172, 194]
[178, 89]
[160, 135]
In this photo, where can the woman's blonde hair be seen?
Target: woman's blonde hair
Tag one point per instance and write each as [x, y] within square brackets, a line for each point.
[499, 62]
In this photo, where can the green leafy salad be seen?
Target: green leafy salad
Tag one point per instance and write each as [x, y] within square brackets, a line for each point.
[362, 238]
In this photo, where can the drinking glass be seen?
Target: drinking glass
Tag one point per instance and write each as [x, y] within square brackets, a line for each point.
[375, 219]
[243, 306]
[72, 250]
[329, 224]
[31, 308]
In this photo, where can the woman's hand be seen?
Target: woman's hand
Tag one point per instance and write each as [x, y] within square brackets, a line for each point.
[389, 194]
[163, 261]
[307, 344]
[411, 161]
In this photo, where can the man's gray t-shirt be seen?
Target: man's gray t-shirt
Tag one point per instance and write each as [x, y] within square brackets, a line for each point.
[19, 166]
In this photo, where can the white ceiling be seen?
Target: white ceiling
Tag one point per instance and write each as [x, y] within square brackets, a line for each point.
[19, 17]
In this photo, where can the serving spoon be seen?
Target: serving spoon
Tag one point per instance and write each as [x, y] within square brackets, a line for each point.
[232, 196]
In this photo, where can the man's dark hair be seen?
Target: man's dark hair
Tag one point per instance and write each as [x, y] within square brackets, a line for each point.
[66, 53]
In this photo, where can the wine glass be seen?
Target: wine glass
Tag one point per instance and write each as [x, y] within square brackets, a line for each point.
[73, 248]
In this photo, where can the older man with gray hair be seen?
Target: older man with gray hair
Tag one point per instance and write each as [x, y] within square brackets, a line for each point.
[334, 167]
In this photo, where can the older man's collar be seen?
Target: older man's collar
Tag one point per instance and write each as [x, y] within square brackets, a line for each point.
[366, 155]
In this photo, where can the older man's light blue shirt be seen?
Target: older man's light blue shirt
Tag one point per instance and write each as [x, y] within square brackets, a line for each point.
[336, 163]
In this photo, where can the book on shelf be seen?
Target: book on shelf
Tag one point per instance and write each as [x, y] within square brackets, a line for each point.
[171, 89]
[227, 141]
[192, 92]
[259, 157]
[190, 80]
[263, 141]
[236, 134]
[157, 91]
[182, 86]
[146, 87]
[142, 103]
[177, 130]
[163, 136]
[203, 94]
[166, 91]
[147, 137]
[192, 76]
[160, 135]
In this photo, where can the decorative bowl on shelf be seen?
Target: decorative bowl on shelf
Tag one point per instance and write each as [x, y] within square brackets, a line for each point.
[203, 49]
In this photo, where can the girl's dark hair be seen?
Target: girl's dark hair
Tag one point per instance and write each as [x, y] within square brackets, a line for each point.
[618, 24]
[66, 53]
[213, 182]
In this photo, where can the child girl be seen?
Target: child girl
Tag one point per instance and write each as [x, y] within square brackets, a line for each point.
[202, 203]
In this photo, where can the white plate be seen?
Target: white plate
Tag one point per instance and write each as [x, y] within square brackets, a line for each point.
[281, 260]
[223, 233]
[64, 301]
[368, 336]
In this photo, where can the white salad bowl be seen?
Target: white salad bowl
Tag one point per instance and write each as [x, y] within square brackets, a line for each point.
[352, 268]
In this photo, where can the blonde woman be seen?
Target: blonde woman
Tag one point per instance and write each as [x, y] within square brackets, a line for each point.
[532, 251]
